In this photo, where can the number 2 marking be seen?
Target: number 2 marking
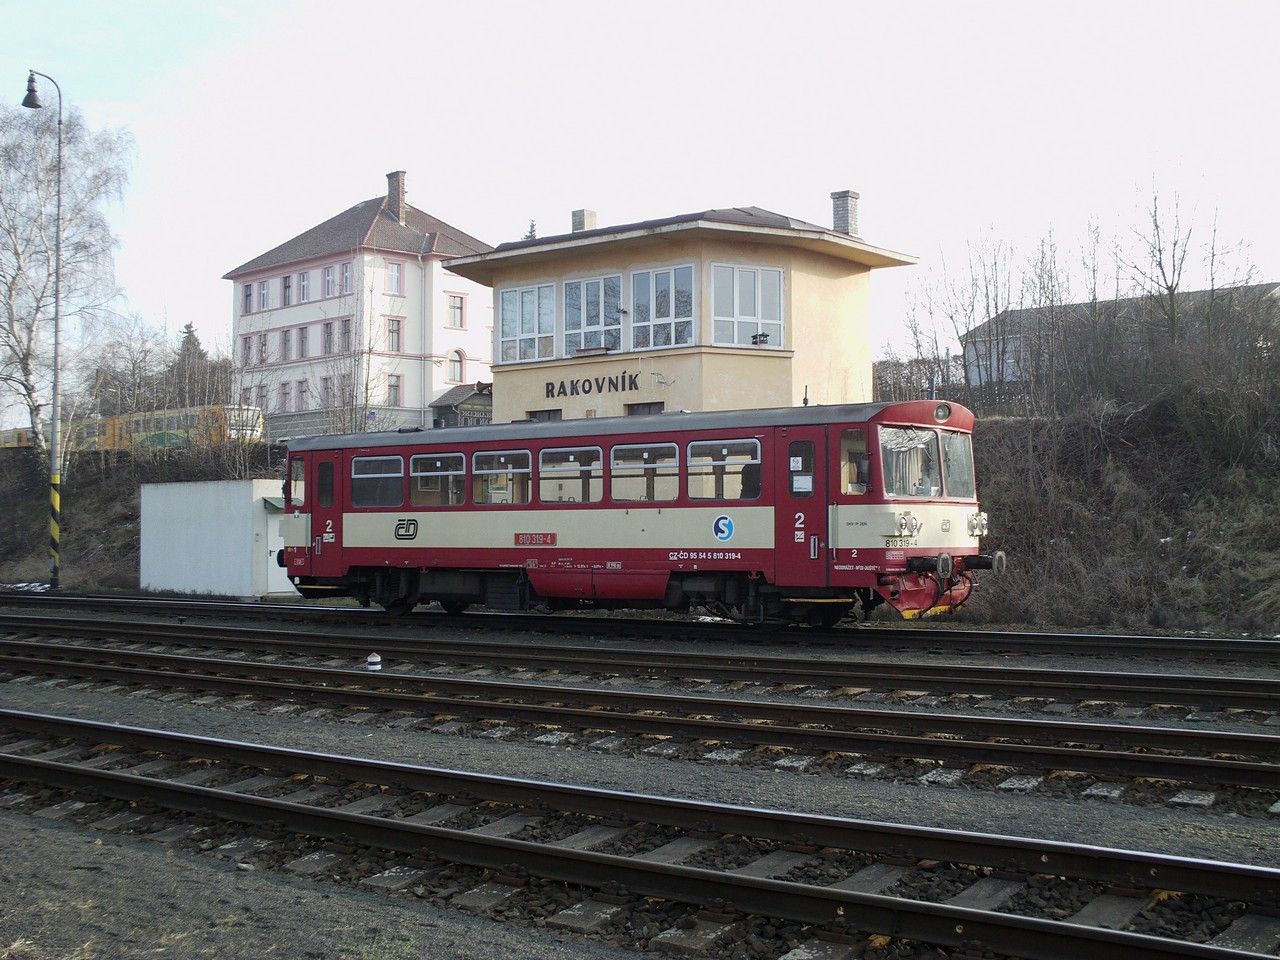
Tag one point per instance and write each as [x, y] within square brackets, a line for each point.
[328, 526]
[799, 521]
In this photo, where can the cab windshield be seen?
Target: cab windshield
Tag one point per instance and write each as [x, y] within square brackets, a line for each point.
[957, 464]
[909, 460]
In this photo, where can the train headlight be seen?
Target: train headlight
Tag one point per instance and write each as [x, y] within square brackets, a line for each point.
[978, 524]
[909, 524]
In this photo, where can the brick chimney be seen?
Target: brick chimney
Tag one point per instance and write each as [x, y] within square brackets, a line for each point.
[584, 220]
[395, 194]
[844, 212]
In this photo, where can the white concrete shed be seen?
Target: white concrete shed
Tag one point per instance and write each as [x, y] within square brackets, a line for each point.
[213, 537]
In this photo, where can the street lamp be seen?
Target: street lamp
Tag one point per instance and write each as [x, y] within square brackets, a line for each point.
[32, 101]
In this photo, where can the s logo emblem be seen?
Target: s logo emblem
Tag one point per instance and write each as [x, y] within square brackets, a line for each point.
[407, 529]
[722, 527]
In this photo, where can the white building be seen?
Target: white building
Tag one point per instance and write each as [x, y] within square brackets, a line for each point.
[357, 323]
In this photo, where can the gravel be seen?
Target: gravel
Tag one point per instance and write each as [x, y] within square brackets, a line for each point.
[71, 894]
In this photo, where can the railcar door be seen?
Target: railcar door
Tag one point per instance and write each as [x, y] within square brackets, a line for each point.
[326, 515]
[800, 475]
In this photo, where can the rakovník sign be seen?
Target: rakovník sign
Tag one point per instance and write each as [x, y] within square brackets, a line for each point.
[585, 386]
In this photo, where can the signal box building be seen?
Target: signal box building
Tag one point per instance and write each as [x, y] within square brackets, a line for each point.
[715, 310]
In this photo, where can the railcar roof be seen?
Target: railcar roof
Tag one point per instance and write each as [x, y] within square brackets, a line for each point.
[653, 423]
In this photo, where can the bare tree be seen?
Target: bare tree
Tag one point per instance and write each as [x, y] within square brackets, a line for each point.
[93, 173]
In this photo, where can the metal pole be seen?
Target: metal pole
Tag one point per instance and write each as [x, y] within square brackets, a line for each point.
[55, 457]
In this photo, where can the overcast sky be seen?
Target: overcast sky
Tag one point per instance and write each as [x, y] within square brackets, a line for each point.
[255, 120]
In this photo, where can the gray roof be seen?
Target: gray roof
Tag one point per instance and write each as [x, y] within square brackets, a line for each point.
[522, 431]
[738, 216]
[1190, 302]
[455, 395]
[369, 224]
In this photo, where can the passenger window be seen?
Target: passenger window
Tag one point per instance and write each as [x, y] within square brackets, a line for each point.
[571, 476]
[800, 468]
[855, 464]
[502, 477]
[438, 480]
[648, 474]
[324, 484]
[294, 486]
[724, 470]
[377, 482]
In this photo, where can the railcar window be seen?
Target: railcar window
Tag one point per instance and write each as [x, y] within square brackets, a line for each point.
[571, 476]
[855, 464]
[297, 488]
[800, 473]
[649, 473]
[501, 477]
[377, 481]
[909, 460]
[957, 464]
[324, 484]
[438, 480]
[724, 470]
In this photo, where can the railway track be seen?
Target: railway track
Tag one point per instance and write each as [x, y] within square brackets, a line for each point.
[935, 747]
[834, 876]
[862, 636]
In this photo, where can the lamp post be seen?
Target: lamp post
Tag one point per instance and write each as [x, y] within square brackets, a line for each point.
[32, 101]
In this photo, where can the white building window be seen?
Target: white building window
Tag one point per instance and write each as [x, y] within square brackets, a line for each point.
[747, 306]
[346, 277]
[286, 342]
[662, 308]
[262, 396]
[395, 279]
[456, 318]
[327, 286]
[303, 392]
[247, 305]
[393, 390]
[302, 343]
[393, 334]
[284, 397]
[286, 290]
[527, 328]
[264, 295]
[304, 286]
[346, 334]
[246, 351]
[262, 348]
[326, 339]
[326, 392]
[455, 366]
[246, 396]
[592, 314]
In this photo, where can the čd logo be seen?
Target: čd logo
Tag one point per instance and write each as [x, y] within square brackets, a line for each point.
[407, 529]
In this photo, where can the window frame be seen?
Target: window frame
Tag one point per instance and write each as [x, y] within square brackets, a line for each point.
[286, 344]
[670, 320]
[689, 465]
[302, 342]
[328, 282]
[536, 335]
[377, 476]
[477, 473]
[738, 319]
[462, 457]
[345, 273]
[394, 268]
[284, 396]
[458, 358]
[394, 390]
[614, 469]
[553, 472]
[395, 343]
[304, 286]
[461, 298]
[246, 304]
[264, 295]
[603, 328]
[302, 394]
[286, 290]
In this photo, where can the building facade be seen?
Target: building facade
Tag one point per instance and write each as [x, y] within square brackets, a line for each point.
[358, 323]
[720, 309]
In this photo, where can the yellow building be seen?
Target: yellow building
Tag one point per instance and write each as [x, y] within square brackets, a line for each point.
[716, 310]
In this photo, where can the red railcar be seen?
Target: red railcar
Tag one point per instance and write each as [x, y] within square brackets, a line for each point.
[798, 514]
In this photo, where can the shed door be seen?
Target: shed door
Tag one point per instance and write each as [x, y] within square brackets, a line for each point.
[801, 515]
[326, 516]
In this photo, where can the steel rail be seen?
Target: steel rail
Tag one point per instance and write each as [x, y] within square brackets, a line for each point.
[865, 636]
[1166, 688]
[930, 922]
[704, 718]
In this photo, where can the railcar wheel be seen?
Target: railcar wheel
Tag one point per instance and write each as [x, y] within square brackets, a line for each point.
[828, 614]
[399, 606]
[454, 607]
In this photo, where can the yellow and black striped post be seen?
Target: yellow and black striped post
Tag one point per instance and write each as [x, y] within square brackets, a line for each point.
[55, 529]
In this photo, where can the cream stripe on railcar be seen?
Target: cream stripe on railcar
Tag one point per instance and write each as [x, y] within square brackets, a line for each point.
[875, 525]
[665, 528]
